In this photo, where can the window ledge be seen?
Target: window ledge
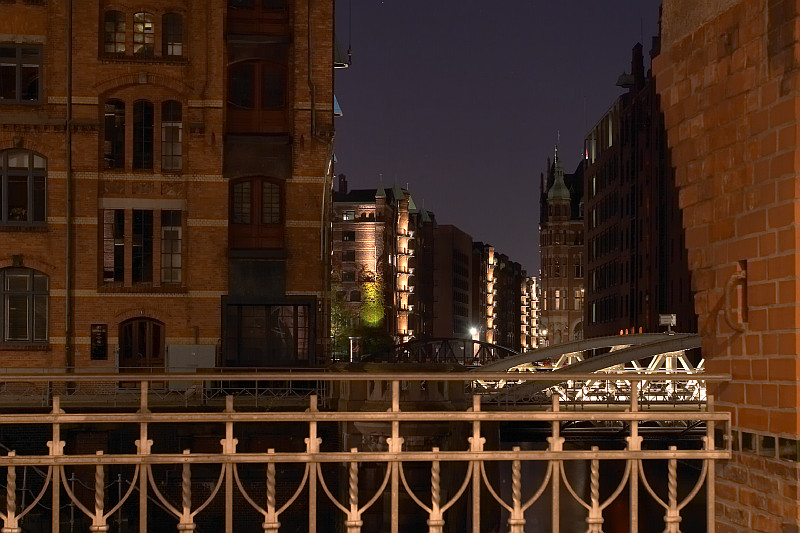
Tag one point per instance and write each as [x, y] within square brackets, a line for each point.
[177, 60]
[27, 229]
[142, 288]
[25, 346]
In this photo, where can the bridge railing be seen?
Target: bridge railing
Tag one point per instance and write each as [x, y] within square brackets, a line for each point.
[465, 479]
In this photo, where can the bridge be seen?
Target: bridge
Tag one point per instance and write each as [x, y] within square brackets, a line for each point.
[620, 354]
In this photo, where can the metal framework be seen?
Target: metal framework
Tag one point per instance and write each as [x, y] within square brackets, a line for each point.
[473, 455]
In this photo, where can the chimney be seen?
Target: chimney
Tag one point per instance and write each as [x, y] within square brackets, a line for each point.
[342, 184]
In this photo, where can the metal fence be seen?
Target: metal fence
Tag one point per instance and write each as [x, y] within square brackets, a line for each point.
[477, 492]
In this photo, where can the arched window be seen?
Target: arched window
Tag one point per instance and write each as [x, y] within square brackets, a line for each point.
[141, 344]
[143, 34]
[142, 134]
[25, 299]
[172, 37]
[114, 135]
[256, 213]
[171, 136]
[114, 33]
[23, 190]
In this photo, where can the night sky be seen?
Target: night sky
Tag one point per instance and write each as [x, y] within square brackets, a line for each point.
[463, 100]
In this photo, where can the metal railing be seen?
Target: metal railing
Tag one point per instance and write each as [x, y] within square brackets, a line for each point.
[477, 490]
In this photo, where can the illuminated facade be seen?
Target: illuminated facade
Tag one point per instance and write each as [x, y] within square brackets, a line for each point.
[529, 314]
[374, 257]
[562, 250]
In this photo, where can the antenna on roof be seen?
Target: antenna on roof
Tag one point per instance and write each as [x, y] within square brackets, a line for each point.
[349, 32]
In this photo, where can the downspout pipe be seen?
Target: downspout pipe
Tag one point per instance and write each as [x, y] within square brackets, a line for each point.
[69, 357]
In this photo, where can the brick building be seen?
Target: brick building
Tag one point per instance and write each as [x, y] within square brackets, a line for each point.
[561, 249]
[374, 257]
[728, 80]
[636, 263]
[452, 274]
[166, 178]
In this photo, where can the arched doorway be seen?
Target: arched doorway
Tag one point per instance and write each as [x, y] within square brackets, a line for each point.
[141, 344]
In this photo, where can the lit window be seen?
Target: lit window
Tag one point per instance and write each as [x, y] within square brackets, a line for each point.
[20, 69]
[171, 136]
[172, 41]
[143, 34]
[22, 188]
[349, 215]
[113, 245]
[25, 300]
[114, 33]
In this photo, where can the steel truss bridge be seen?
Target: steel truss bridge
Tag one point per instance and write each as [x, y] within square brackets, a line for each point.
[231, 484]
[639, 354]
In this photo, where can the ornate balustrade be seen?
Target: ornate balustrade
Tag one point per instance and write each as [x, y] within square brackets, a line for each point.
[384, 408]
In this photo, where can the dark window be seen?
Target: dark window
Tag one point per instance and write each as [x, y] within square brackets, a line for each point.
[142, 135]
[20, 69]
[241, 3]
[273, 86]
[172, 41]
[142, 246]
[270, 203]
[256, 211]
[114, 33]
[257, 84]
[113, 245]
[241, 85]
[23, 188]
[349, 236]
[349, 256]
[25, 300]
[141, 344]
[355, 296]
[241, 198]
[267, 335]
[114, 136]
[143, 34]
[273, 4]
[171, 233]
[348, 276]
[171, 136]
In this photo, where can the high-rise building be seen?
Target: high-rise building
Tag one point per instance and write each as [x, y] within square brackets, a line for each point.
[636, 253]
[165, 183]
[562, 250]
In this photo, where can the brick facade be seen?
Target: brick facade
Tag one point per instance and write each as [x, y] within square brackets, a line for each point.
[727, 77]
[140, 180]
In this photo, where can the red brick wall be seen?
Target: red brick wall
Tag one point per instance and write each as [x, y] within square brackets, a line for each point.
[727, 76]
